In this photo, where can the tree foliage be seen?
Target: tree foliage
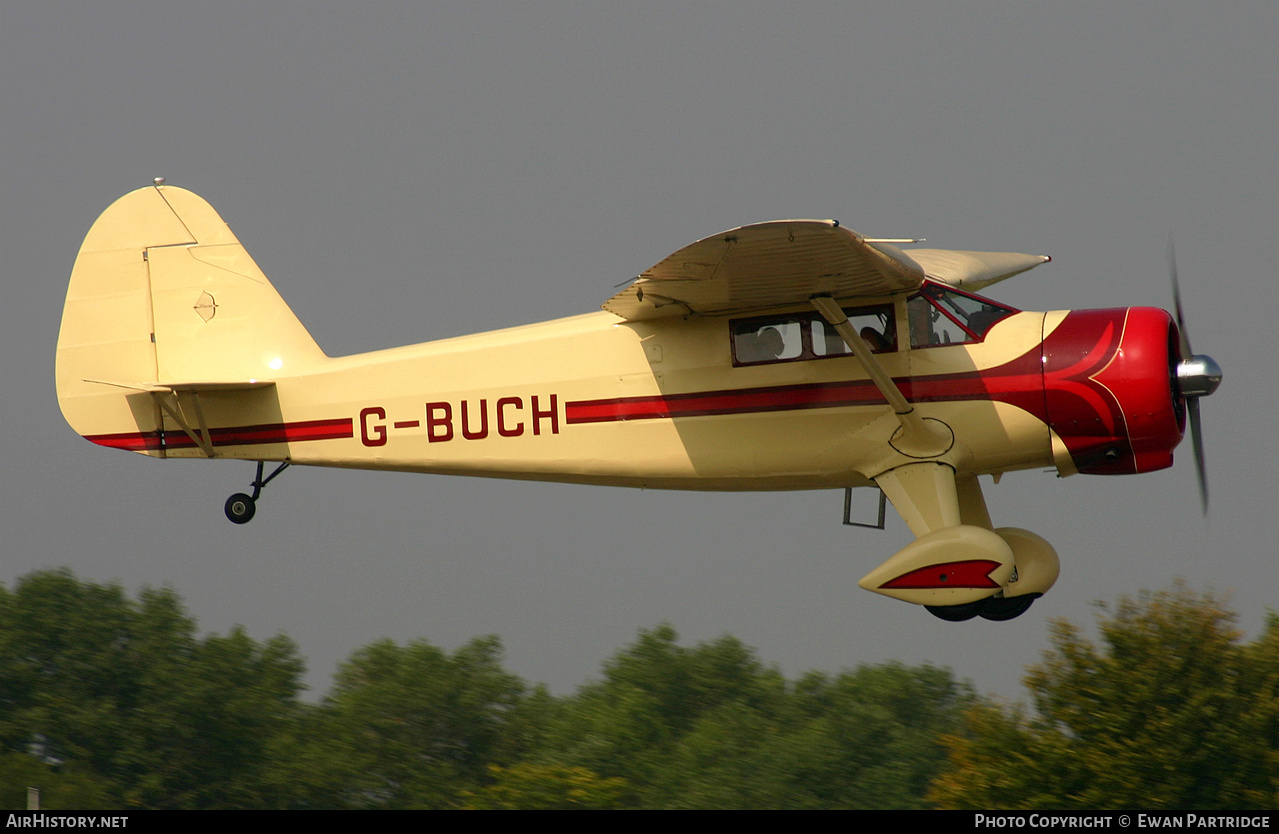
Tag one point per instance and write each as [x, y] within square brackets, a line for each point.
[407, 727]
[711, 727]
[112, 701]
[119, 697]
[1170, 710]
[530, 786]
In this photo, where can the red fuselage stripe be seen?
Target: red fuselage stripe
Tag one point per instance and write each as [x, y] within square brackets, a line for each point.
[233, 436]
[1017, 383]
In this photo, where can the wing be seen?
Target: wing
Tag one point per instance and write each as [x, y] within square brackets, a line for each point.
[766, 265]
[973, 270]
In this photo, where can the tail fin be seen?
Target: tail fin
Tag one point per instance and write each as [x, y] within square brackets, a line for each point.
[164, 299]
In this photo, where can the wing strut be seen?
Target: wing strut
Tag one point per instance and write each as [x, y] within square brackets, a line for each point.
[173, 406]
[917, 438]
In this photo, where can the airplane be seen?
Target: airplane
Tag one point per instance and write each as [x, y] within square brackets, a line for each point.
[794, 354]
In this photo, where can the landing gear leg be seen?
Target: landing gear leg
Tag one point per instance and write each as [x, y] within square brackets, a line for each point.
[240, 508]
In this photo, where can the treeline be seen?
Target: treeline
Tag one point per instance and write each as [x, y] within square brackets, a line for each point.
[114, 702]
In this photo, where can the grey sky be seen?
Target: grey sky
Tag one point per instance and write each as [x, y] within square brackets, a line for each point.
[405, 172]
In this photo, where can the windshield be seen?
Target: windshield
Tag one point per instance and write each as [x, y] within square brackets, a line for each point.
[944, 316]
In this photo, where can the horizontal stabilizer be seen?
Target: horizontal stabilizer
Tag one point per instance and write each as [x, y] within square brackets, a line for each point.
[187, 387]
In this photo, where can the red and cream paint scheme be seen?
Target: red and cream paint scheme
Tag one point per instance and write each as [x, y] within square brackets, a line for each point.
[787, 355]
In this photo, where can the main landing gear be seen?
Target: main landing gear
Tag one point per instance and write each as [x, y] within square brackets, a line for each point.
[991, 608]
[240, 508]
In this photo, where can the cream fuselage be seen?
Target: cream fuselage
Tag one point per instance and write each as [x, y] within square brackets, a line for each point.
[592, 399]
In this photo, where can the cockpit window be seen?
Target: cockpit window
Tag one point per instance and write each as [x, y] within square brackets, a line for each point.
[809, 336]
[944, 316]
[768, 340]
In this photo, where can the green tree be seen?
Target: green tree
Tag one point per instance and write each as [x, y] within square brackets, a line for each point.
[122, 695]
[868, 738]
[529, 786]
[711, 727]
[406, 727]
[61, 788]
[204, 738]
[1170, 711]
[652, 694]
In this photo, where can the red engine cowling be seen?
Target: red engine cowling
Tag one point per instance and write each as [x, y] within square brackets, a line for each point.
[1110, 389]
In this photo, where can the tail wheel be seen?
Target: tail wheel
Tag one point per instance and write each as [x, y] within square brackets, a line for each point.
[240, 508]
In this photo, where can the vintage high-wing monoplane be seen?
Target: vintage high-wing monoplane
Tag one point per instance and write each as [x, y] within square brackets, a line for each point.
[795, 354]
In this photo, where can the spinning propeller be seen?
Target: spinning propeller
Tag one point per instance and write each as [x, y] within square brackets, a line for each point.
[1197, 376]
